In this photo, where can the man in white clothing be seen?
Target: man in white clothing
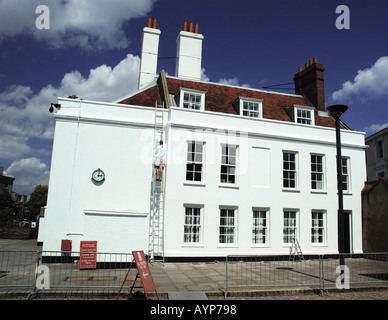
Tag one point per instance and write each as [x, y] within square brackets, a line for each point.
[160, 153]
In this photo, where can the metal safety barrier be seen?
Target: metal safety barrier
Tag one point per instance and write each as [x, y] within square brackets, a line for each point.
[318, 272]
[57, 270]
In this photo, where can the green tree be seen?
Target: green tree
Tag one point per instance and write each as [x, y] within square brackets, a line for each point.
[7, 209]
[38, 199]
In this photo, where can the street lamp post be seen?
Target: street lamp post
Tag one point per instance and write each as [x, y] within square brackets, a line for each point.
[336, 111]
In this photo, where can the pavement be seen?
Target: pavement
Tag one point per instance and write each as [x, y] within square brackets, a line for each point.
[195, 281]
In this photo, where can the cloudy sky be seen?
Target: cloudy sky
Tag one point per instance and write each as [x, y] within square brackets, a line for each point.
[91, 48]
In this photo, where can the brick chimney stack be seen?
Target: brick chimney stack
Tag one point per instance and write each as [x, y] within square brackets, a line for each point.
[310, 83]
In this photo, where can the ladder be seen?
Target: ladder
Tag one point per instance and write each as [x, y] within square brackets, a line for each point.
[156, 222]
[295, 250]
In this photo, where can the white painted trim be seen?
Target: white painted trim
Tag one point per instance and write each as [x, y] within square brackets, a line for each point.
[121, 213]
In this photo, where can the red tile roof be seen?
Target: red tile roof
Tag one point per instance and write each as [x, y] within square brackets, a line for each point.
[220, 98]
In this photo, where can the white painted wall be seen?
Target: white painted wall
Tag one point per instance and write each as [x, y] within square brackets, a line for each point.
[261, 143]
[117, 139]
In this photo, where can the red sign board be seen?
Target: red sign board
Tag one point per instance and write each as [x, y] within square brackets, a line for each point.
[88, 255]
[143, 271]
[66, 245]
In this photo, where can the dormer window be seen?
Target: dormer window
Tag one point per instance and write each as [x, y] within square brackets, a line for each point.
[304, 115]
[249, 107]
[190, 99]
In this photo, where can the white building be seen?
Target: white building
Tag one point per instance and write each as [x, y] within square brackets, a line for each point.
[247, 170]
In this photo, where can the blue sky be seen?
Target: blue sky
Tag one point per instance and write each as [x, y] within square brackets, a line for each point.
[92, 49]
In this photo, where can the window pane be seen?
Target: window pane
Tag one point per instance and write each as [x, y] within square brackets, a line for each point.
[194, 161]
[303, 116]
[228, 164]
[226, 229]
[192, 101]
[317, 227]
[259, 229]
[345, 174]
[289, 170]
[317, 172]
[190, 156]
[192, 225]
[289, 226]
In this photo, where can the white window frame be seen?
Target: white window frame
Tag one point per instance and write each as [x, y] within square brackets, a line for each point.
[187, 224]
[346, 176]
[260, 229]
[223, 163]
[227, 222]
[197, 161]
[301, 119]
[318, 227]
[245, 105]
[294, 226]
[290, 170]
[181, 94]
[315, 171]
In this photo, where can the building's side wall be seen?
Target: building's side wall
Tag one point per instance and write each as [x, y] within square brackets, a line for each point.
[375, 219]
[374, 165]
[115, 211]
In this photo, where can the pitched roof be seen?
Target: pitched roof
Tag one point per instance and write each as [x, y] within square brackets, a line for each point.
[220, 98]
[369, 186]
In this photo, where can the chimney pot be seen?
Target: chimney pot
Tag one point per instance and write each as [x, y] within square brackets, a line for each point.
[191, 27]
[300, 68]
[184, 27]
[154, 23]
[315, 60]
[149, 22]
[196, 28]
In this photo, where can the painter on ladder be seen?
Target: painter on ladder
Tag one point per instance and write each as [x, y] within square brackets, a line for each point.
[159, 157]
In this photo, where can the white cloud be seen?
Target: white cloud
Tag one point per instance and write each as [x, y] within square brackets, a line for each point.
[24, 114]
[204, 77]
[228, 81]
[375, 128]
[28, 173]
[13, 146]
[90, 24]
[103, 83]
[368, 84]
[233, 82]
